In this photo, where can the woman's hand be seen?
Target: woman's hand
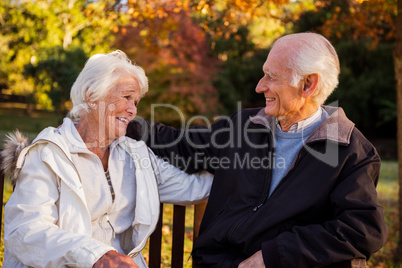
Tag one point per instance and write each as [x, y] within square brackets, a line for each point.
[255, 261]
[114, 259]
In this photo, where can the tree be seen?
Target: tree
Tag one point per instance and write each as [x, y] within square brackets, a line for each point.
[176, 56]
[398, 76]
[31, 31]
[56, 75]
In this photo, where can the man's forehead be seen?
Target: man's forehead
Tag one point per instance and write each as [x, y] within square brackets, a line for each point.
[276, 62]
[268, 69]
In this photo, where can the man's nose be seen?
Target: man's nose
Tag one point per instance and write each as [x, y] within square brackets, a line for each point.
[261, 87]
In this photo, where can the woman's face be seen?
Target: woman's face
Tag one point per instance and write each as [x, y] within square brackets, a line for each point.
[119, 107]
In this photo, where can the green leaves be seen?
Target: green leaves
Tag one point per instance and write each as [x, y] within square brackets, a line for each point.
[36, 35]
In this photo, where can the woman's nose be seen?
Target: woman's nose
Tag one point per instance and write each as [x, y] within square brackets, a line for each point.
[132, 108]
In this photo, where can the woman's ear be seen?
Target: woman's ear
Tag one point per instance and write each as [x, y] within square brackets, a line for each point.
[310, 85]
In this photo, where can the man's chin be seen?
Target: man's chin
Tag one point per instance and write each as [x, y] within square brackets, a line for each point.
[268, 111]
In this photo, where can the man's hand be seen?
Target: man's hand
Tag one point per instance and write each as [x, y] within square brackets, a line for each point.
[255, 261]
[114, 259]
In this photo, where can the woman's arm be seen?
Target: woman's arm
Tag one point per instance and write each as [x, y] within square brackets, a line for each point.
[178, 187]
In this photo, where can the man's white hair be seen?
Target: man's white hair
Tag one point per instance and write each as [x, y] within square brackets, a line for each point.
[100, 73]
[312, 53]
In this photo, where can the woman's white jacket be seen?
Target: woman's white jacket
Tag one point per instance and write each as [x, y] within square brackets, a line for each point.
[52, 228]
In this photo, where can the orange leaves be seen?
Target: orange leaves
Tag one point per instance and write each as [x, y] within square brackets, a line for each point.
[223, 18]
[173, 49]
[217, 18]
[374, 19]
[203, 7]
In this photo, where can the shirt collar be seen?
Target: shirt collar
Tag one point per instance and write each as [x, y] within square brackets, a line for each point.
[304, 124]
[337, 127]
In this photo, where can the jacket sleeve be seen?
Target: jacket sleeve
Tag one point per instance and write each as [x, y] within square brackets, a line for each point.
[189, 149]
[31, 232]
[356, 229]
[178, 187]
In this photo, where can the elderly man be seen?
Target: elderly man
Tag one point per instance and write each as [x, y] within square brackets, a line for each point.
[294, 182]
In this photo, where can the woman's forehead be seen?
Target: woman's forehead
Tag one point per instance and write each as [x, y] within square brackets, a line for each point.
[127, 83]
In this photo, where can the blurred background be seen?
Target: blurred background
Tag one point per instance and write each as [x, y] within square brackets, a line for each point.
[201, 56]
[205, 57]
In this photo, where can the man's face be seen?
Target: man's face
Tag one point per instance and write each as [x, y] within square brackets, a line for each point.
[282, 100]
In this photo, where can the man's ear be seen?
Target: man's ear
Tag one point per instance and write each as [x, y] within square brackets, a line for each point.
[310, 85]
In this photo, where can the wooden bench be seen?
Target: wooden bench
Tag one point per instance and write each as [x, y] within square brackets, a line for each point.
[178, 232]
[178, 240]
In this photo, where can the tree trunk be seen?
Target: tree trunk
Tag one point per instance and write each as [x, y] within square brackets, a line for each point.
[398, 77]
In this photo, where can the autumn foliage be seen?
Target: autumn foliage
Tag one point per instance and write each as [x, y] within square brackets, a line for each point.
[358, 19]
[175, 53]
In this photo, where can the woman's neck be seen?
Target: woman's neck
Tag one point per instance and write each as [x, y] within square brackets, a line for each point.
[95, 139]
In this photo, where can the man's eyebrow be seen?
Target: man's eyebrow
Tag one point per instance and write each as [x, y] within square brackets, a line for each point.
[269, 73]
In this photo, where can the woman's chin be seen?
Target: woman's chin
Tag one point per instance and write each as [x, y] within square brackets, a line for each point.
[120, 132]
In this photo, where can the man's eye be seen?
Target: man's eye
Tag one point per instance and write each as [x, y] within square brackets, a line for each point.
[267, 76]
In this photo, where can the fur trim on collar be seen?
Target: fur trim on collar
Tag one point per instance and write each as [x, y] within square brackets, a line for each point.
[12, 147]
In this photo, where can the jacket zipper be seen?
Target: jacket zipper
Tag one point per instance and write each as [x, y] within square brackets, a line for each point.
[101, 221]
[242, 220]
[111, 226]
[269, 176]
[131, 254]
[299, 156]
[298, 159]
[106, 215]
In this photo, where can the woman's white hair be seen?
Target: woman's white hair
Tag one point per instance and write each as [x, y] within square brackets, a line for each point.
[100, 73]
[313, 53]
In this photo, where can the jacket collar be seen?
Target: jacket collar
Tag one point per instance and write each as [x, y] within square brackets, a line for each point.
[337, 127]
[74, 141]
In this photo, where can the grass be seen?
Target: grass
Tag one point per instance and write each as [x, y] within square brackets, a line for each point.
[387, 193]
[16, 118]
[388, 197]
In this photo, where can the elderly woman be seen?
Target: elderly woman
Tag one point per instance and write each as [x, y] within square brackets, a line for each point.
[85, 194]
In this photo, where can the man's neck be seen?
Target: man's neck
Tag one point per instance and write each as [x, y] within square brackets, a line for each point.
[287, 122]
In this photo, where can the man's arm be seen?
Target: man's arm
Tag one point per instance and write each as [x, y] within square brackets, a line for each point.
[187, 149]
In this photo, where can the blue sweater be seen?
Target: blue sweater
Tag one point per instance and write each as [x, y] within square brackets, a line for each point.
[287, 146]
